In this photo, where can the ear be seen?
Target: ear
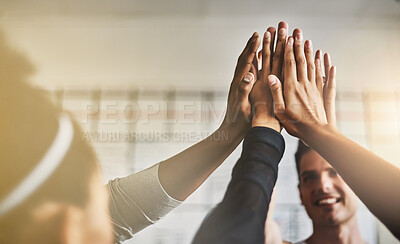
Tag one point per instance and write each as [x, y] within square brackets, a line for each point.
[73, 227]
[301, 195]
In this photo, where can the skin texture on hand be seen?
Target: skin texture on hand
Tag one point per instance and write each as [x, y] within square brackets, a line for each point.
[304, 103]
[271, 63]
[238, 113]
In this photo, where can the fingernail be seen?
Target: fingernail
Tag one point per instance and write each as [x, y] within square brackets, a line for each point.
[271, 80]
[299, 37]
[317, 54]
[248, 78]
[282, 31]
[290, 42]
[309, 44]
[267, 35]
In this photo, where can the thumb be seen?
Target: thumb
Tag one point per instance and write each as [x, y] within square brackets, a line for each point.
[275, 86]
[245, 87]
[330, 96]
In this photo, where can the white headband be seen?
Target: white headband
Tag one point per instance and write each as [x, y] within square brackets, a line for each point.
[44, 169]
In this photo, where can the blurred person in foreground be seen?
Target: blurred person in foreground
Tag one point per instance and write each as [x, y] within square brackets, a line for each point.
[50, 189]
[50, 183]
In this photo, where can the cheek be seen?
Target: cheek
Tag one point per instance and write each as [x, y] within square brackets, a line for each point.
[305, 197]
[350, 196]
[353, 200]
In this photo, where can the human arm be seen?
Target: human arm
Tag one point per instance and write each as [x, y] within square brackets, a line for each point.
[196, 163]
[177, 177]
[136, 202]
[272, 232]
[306, 112]
[240, 217]
[183, 173]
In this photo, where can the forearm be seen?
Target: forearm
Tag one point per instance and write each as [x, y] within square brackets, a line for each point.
[375, 181]
[196, 163]
[137, 201]
[240, 217]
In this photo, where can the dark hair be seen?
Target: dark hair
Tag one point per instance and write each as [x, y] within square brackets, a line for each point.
[28, 127]
[301, 150]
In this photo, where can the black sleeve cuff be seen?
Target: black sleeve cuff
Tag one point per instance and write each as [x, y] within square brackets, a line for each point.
[266, 136]
[263, 149]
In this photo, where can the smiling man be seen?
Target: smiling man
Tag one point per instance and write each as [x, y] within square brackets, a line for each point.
[328, 200]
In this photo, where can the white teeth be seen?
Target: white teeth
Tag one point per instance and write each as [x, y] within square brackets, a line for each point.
[327, 201]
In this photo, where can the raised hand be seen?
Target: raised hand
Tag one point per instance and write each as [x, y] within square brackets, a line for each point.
[304, 102]
[183, 173]
[305, 106]
[238, 114]
[271, 63]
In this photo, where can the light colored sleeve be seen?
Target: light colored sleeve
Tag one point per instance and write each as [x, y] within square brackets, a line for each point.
[137, 201]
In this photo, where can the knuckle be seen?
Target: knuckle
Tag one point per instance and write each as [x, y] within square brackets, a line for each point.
[290, 62]
[276, 89]
[278, 53]
[301, 60]
[244, 89]
[282, 38]
[278, 108]
[332, 86]
[267, 52]
[240, 58]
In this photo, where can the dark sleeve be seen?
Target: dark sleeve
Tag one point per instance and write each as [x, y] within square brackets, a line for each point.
[240, 217]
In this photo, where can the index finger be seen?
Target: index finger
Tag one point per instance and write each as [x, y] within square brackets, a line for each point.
[246, 58]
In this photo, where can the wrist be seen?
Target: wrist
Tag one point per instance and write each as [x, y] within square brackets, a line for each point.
[312, 134]
[268, 122]
[230, 133]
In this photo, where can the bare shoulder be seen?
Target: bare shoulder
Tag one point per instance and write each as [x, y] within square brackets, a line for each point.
[286, 242]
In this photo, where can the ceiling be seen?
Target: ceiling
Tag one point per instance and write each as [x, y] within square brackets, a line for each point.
[201, 8]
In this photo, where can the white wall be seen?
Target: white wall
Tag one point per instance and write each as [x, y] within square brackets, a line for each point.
[184, 50]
